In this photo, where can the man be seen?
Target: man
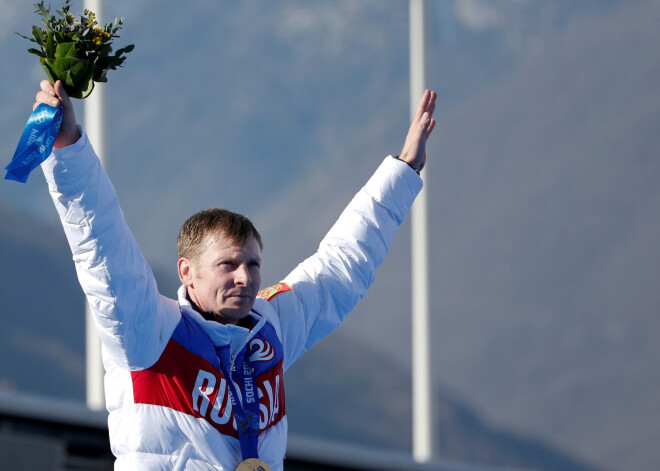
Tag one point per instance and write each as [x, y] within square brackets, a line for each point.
[196, 384]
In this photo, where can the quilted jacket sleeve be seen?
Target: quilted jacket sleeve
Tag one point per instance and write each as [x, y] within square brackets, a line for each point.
[327, 285]
[133, 320]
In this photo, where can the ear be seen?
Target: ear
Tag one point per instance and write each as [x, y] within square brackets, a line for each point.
[185, 270]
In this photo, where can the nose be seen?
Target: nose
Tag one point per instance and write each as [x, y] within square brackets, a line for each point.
[242, 275]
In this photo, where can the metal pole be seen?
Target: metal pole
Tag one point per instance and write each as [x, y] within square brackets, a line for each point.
[422, 380]
[94, 126]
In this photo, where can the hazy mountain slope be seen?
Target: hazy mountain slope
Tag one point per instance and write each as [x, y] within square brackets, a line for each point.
[377, 412]
[42, 343]
[544, 213]
[42, 347]
[548, 217]
[42, 336]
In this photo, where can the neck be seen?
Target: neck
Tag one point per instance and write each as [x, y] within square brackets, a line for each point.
[245, 322]
[210, 316]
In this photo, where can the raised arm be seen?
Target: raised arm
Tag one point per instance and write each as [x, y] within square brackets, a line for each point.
[132, 318]
[327, 286]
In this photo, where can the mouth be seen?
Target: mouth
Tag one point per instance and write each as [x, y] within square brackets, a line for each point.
[241, 296]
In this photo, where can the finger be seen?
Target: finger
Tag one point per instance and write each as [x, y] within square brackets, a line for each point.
[47, 87]
[431, 108]
[424, 122]
[423, 104]
[62, 94]
[430, 128]
[417, 130]
[46, 98]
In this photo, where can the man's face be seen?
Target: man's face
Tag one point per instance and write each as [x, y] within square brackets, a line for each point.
[225, 279]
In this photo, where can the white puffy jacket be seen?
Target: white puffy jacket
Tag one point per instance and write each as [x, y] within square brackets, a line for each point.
[167, 399]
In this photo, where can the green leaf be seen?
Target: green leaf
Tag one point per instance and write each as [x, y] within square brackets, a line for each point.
[50, 44]
[42, 10]
[38, 52]
[66, 50]
[51, 75]
[103, 53]
[71, 67]
[86, 90]
[101, 76]
[75, 74]
[39, 35]
[26, 37]
[64, 37]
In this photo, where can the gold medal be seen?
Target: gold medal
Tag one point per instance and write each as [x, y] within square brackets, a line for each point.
[252, 464]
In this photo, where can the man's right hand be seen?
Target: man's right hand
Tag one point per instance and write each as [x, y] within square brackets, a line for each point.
[414, 149]
[54, 96]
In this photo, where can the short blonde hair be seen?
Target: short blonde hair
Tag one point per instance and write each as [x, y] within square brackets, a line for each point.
[214, 221]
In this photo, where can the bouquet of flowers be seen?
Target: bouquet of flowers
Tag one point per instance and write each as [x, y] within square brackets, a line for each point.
[78, 53]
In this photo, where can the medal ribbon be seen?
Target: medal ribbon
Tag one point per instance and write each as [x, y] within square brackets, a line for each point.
[246, 411]
[36, 142]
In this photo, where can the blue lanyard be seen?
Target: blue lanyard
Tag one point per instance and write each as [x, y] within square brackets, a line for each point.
[36, 142]
[246, 411]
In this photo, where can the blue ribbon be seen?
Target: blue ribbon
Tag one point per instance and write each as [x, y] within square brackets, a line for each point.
[36, 142]
[246, 410]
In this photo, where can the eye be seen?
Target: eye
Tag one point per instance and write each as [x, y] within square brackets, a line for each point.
[255, 264]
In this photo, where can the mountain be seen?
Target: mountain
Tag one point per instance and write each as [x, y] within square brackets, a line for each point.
[377, 412]
[41, 297]
[42, 340]
[547, 213]
[544, 223]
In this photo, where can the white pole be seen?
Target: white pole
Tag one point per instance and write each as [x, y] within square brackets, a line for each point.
[94, 126]
[422, 380]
